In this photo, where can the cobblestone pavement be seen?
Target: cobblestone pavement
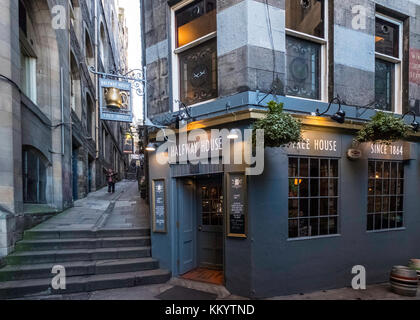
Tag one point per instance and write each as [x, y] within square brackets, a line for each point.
[123, 209]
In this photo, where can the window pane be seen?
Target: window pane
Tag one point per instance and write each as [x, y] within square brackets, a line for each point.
[334, 168]
[198, 73]
[293, 228]
[399, 222]
[371, 187]
[293, 188]
[385, 221]
[370, 222]
[314, 187]
[323, 207]
[303, 227]
[304, 163]
[378, 187]
[323, 226]
[304, 188]
[303, 68]
[371, 205]
[314, 207]
[392, 220]
[315, 168]
[401, 170]
[384, 75]
[333, 207]
[387, 170]
[293, 167]
[333, 189]
[305, 16]
[314, 227]
[293, 208]
[324, 168]
[333, 228]
[195, 21]
[303, 207]
[394, 168]
[378, 221]
[371, 169]
[378, 204]
[387, 38]
[324, 187]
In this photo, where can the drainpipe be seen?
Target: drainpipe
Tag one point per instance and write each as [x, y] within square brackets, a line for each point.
[62, 110]
[143, 62]
[95, 19]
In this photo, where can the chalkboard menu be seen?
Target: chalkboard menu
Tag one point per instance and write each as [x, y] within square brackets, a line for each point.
[159, 206]
[237, 208]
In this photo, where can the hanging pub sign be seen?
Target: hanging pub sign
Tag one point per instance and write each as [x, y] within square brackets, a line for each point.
[159, 206]
[237, 206]
[128, 147]
[115, 100]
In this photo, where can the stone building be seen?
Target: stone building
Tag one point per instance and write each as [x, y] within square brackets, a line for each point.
[313, 213]
[55, 149]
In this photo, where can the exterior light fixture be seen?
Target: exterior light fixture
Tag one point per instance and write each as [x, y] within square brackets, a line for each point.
[151, 147]
[339, 116]
[233, 135]
[414, 125]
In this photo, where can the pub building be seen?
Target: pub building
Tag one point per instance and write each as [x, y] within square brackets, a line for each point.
[319, 207]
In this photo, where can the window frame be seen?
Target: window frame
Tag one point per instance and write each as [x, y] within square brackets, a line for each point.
[389, 229]
[338, 197]
[398, 63]
[324, 59]
[176, 79]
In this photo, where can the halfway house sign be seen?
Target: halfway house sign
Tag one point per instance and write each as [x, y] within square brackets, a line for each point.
[115, 100]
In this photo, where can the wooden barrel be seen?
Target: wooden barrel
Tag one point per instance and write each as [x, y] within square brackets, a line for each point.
[404, 281]
[415, 265]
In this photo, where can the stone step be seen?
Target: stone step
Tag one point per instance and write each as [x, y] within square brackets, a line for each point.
[61, 256]
[74, 234]
[77, 268]
[81, 243]
[26, 288]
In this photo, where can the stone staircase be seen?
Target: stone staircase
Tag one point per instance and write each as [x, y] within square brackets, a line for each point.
[93, 260]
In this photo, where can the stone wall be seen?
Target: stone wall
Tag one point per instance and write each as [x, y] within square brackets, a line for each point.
[245, 51]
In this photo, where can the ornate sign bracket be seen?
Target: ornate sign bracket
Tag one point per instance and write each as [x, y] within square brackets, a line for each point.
[136, 77]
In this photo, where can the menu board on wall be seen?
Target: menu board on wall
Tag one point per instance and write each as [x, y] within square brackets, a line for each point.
[237, 208]
[159, 206]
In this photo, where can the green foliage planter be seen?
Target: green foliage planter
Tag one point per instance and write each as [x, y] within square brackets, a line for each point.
[280, 128]
[384, 128]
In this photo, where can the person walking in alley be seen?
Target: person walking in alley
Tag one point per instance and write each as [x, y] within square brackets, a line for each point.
[111, 181]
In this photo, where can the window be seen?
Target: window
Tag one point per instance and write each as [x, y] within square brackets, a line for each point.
[306, 49]
[313, 197]
[28, 58]
[385, 195]
[103, 47]
[196, 50]
[104, 142]
[90, 119]
[388, 52]
[75, 87]
[34, 177]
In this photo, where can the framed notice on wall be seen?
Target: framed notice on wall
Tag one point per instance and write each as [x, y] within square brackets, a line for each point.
[159, 206]
[237, 205]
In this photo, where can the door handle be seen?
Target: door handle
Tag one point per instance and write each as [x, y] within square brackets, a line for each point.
[200, 228]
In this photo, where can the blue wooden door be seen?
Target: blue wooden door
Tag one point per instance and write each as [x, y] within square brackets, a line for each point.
[187, 226]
